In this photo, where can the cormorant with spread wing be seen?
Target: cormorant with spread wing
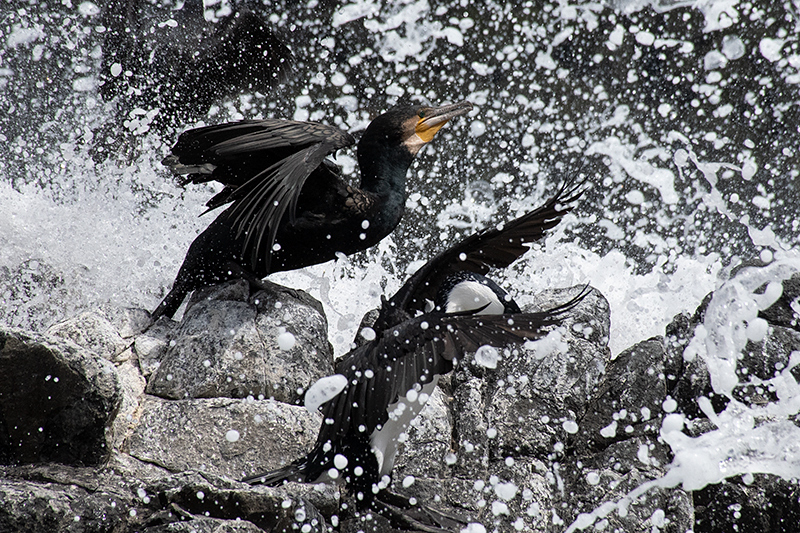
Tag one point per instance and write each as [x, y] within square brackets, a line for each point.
[289, 205]
[383, 384]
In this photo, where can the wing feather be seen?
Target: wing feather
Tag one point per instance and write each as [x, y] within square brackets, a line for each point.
[491, 248]
[398, 363]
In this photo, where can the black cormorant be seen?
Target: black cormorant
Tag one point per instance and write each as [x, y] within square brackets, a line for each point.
[170, 59]
[381, 385]
[290, 206]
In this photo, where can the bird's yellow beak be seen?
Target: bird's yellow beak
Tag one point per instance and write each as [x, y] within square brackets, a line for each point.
[431, 119]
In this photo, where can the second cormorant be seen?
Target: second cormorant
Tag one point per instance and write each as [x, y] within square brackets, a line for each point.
[381, 385]
[289, 204]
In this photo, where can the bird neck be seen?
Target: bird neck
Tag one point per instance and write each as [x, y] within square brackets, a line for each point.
[384, 169]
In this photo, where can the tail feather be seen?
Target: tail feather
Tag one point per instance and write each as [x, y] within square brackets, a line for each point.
[290, 472]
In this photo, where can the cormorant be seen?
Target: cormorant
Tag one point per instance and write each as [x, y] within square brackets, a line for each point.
[382, 385]
[172, 60]
[290, 206]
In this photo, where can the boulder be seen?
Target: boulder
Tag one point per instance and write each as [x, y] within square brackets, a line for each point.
[221, 436]
[229, 344]
[56, 401]
[45, 498]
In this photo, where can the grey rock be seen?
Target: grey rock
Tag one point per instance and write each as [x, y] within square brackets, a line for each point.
[151, 346]
[589, 480]
[227, 346]
[430, 435]
[781, 313]
[629, 399]
[43, 499]
[763, 503]
[689, 380]
[46, 507]
[195, 496]
[132, 385]
[92, 331]
[56, 400]
[203, 524]
[470, 425]
[181, 435]
[537, 392]
[47, 498]
[525, 446]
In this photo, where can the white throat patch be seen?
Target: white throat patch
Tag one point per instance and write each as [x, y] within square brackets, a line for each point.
[414, 143]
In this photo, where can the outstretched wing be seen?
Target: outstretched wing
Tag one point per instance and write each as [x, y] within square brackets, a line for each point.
[263, 165]
[411, 354]
[490, 248]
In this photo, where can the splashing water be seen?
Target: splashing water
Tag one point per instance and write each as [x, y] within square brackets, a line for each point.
[683, 117]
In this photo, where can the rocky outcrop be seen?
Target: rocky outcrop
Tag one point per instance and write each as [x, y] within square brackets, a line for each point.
[106, 427]
[271, 345]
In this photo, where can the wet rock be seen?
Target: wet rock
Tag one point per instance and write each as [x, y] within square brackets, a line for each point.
[288, 508]
[201, 524]
[221, 436]
[46, 507]
[781, 313]
[628, 402]
[556, 429]
[273, 345]
[132, 385]
[431, 435]
[759, 503]
[610, 475]
[539, 391]
[43, 499]
[93, 332]
[56, 400]
[506, 423]
[151, 346]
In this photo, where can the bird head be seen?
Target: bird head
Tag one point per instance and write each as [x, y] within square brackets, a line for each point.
[413, 126]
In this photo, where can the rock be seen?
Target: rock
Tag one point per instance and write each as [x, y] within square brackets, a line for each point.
[286, 508]
[151, 346]
[505, 424]
[273, 345]
[132, 385]
[431, 436]
[610, 475]
[556, 429]
[46, 507]
[56, 400]
[763, 503]
[781, 312]
[221, 436]
[42, 499]
[201, 524]
[92, 331]
[628, 402]
[539, 392]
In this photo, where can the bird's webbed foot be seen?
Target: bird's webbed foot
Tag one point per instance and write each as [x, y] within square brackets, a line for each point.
[403, 514]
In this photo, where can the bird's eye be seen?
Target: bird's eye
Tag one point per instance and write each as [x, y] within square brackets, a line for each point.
[422, 114]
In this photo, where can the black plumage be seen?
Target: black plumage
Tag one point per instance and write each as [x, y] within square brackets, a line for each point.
[411, 349]
[290, 206]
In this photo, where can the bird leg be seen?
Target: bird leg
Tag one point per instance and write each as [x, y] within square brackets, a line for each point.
[258, 284]
[403, 514]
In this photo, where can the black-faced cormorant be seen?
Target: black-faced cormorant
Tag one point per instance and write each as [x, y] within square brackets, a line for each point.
[290, 206]
[383, 384]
